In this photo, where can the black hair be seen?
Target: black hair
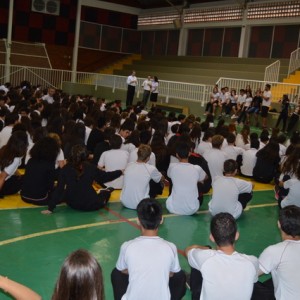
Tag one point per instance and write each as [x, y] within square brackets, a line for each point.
[149, 212]
[230, 138]
[289, 219]
[230, 165]
[182, 150]
[254, 143]
[223, 229]
[46, 148]
[115, 141]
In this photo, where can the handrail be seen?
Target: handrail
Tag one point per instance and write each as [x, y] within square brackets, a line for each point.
[272, 72]
[53, 77]
[278, 89]
[294, 61]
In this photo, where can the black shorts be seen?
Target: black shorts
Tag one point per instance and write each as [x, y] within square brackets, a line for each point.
[264, 111]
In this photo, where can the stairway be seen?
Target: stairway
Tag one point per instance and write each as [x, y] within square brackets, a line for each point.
[119, 64]
[279, 90]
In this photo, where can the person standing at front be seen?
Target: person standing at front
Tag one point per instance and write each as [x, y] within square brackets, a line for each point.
[131, 84]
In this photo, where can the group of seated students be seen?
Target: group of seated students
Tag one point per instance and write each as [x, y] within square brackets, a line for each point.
[241, 105]
[148, 266]
[78, 141]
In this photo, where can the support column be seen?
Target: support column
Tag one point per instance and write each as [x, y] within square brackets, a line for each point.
[183, 36]
[8, 41]
[76, 42]
[244, 41]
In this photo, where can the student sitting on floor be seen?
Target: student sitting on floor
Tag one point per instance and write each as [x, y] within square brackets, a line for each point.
[215, 157]
[137, 178]
[148, 266]
[230, 194]
[222, 273]
[75, 183]
[114, 159]
[80, 278]
[10, 159]
[184, 198]
[38, 180]
[267, 163]
[249, 158]
[293, 187]
[282, 260]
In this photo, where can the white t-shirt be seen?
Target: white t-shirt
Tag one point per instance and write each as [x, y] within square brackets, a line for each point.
[215, 159]
[149, 261]
[87, 134]
[282, 260]
[112, 160]
[184, 197]
[202, 147]
[5, 134]
[136, 183]
[265, 102]
[133, 157]
[225, 276]
[232, 151]
[13, 167]
[225, 195]
[249, 161]
[293, 197]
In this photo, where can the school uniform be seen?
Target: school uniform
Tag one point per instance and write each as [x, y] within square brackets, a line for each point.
[149, 261]
[137, 176]
[184, 196]
[215, 159]
[230, 195]
[282, 261]
[224, 276]
[114, 159]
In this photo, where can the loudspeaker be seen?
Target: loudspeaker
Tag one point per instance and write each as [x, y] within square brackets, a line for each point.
[46, 6]
[177, 23]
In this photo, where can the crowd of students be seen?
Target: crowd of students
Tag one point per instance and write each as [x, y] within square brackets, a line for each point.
[79, 140]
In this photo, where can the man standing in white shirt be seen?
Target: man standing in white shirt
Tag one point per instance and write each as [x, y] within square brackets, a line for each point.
[282, 260]
[230, 194]
[222, 273]
[147, 88]
[131, 84]
[267, 100]
[137, 176]
[148, 266]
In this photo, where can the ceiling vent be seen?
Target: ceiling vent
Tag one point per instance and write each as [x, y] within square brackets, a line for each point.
[46, 6]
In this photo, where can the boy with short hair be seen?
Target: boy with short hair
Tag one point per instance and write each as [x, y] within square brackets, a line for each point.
[184, 198]
[148, 266]
[222, 273]
[137, 177]
[282, 260]
[230, 194]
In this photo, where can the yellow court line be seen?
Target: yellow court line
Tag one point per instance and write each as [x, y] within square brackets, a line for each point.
[66, 229]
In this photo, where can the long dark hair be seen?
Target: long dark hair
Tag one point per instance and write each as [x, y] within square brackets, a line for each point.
[80, 278]
[291, 164]
[270, 152]
[77, 157]
[15, 147]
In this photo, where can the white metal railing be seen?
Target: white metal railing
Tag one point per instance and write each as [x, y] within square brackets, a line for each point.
[55, 78]
[272, 72]
[294, 61]
[278, 89]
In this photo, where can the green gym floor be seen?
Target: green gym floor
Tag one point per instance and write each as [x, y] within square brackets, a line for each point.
[33, 246]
